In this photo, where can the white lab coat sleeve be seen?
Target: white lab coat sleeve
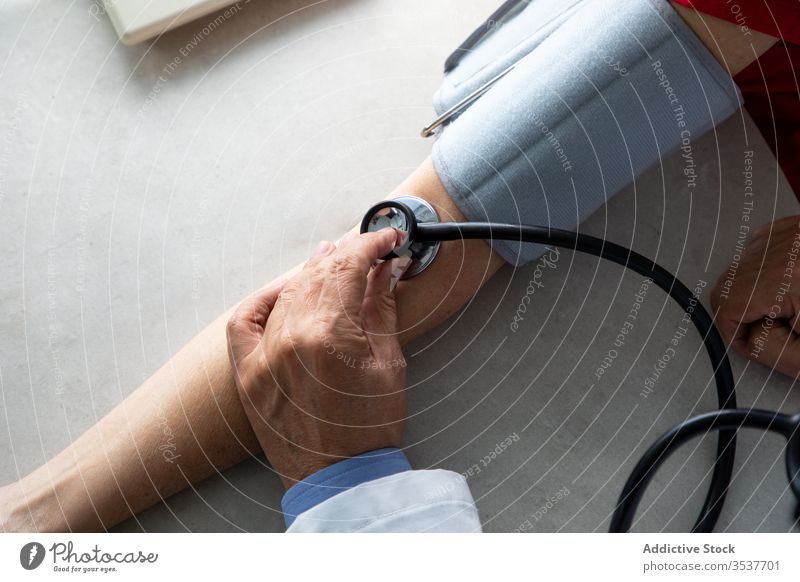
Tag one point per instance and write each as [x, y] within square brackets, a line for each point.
[410, 501]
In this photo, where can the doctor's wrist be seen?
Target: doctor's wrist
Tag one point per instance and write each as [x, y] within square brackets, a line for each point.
[341, 476]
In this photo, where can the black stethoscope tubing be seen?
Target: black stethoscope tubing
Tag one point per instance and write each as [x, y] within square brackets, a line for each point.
[727, 420]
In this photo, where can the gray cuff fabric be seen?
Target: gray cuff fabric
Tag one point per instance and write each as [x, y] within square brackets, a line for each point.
[600, 91]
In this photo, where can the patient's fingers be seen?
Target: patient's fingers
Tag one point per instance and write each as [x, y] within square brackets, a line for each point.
[772, 342]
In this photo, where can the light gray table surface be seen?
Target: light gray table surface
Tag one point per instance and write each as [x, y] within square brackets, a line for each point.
[144, 189]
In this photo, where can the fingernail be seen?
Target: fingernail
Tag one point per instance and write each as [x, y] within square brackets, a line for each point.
[399, 268]
[323, 248]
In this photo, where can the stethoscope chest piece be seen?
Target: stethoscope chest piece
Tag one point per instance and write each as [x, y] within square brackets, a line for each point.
[404, 213]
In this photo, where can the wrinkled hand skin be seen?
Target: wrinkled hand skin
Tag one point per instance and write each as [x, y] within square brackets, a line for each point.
[757, 304]
[317, 361]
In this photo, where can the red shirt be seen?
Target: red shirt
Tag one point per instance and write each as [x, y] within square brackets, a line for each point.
[770, 85]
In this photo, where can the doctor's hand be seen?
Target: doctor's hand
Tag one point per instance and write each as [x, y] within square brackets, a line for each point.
[759, 304]
[317, 360]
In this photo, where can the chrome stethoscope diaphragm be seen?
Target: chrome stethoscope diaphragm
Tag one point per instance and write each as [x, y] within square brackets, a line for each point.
[404, 214]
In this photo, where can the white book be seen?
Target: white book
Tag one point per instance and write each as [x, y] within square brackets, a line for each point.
[138, 20]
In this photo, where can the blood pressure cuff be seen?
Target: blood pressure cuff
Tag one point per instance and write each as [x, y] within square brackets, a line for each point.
[599, 91]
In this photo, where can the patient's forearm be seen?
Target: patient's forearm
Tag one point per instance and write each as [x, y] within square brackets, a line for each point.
[186, 423]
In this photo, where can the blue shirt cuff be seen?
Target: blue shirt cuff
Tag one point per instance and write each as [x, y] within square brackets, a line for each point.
[340, 477]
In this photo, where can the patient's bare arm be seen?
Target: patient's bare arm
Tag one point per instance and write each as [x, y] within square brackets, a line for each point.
[116, 468]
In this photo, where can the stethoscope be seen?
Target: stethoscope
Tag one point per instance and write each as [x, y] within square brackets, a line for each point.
[424, 234]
